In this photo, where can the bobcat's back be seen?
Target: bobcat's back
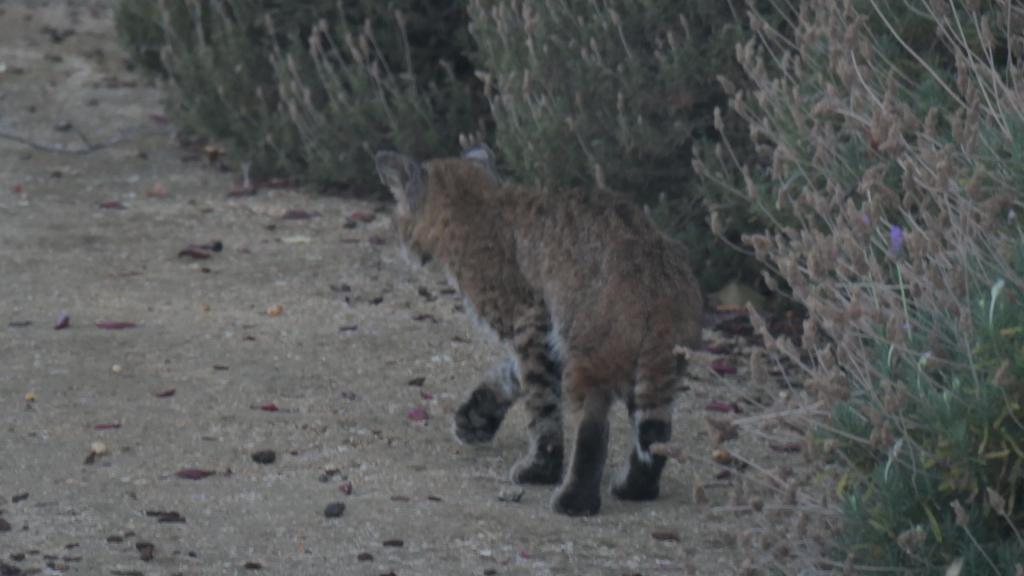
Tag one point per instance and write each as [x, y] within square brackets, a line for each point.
[619, 291]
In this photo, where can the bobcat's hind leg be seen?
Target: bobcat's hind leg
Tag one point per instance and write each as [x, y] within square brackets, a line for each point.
[480, 416]
[580, 492]
[650, 413]
[541, 378]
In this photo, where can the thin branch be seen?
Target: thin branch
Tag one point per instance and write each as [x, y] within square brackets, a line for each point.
[87, 148]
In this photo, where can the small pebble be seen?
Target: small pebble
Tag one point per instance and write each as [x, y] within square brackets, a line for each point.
[19, 497]
[253, 565]
[334, 510]
[511, 494]
[393, 543]
[264, 457]
[116, 368]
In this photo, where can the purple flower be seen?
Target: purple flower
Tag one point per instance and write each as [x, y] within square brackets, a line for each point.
[895, 239]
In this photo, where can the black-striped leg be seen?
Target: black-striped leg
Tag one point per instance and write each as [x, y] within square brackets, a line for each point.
[480, 416]
[541, 384]
[640, 478]
[580, 493]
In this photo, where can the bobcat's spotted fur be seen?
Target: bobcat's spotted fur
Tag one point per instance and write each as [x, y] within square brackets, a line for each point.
[590, 298]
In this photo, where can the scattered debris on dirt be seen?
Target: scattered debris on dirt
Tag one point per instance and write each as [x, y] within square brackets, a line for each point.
[334, 510]
[264, 456]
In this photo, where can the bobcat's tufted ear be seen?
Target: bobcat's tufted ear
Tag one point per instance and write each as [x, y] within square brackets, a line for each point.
[481, 154]
[404, 177]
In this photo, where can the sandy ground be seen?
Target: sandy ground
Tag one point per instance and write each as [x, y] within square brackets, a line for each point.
[97, 237]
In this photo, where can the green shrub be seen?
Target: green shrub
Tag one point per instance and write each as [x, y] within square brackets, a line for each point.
[613, 93]
[891, 166]
[307, 89]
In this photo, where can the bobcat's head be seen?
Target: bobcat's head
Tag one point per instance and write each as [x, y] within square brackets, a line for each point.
[420, 190]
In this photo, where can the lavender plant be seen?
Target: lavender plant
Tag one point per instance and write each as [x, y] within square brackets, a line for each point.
[304, 90]
[611, 93]
[890, 141]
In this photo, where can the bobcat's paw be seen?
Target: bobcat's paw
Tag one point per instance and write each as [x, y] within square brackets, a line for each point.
[572, 500]
[479, 418]
[635, 487]
[541, 467]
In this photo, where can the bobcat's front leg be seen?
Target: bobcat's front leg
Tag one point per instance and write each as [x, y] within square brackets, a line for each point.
[480, 416]
[541, 378]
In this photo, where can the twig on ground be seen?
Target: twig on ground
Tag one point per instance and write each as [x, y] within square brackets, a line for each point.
[88, 148]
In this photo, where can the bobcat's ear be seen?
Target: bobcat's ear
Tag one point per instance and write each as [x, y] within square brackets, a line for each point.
[404, 177]
[481, 154]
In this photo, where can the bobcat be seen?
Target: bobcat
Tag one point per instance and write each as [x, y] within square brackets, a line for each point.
[589, 297]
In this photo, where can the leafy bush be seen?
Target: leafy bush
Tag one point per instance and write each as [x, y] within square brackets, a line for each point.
[307, 89]
[891, 164]
[612, 93]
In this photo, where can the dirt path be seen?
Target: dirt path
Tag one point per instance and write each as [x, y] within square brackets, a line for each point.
[357, 325]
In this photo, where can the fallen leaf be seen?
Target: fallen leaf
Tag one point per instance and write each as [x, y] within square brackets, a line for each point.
[194, 473]
[242, 192]
[166, 517]
[721, 456]
[720, 348]
[364, 217]
[393, 543]
[296, 239]
[146, 550]
[296, 214]
[112, 205]
[348, 328]
[721, 430]
[107, 426]
[723, 367]
[720, 406]
[269, 407]
[418, 414]
[346, 488]
[157, 191]
[165, 393]
[213, 152]
[786, 446]
[115, 325]
[275, 310]
[63, 321]
[212, 246]
[19, 323]
[194, 252]
[426, 395]
[666, 536]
